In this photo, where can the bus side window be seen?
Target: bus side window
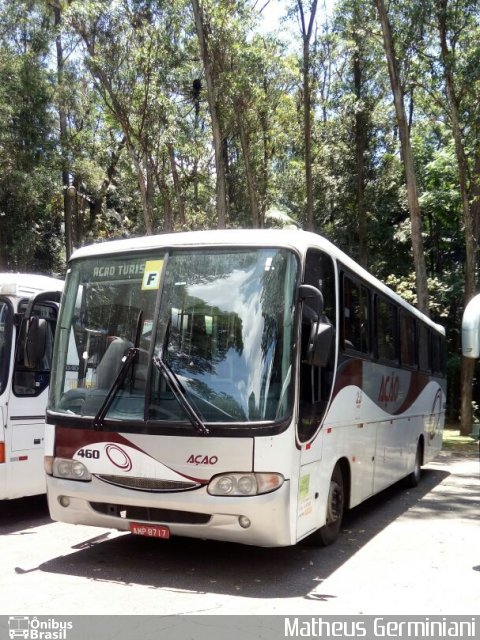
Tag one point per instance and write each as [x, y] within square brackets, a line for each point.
[355, 326]
[423, 348]
[438, 355]
[387, 331]
[316, 382]
[408, 340]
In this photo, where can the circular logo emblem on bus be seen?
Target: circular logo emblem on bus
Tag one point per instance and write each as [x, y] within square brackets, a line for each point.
[118, 457]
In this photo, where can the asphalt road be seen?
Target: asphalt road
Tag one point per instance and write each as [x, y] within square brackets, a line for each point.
[413, 551]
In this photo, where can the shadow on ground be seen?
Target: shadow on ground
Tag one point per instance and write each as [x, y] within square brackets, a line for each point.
[198, 566]
[18, 516]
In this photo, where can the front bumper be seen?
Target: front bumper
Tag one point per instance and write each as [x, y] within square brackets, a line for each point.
[192, 513]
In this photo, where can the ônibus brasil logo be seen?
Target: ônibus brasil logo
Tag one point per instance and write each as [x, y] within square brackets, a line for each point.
[34, 629]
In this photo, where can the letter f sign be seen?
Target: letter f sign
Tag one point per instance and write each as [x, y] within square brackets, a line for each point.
[152, 275]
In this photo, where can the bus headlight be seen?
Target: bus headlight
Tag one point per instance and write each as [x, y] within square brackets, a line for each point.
[70, 470]
[244, 484]
[48, 465]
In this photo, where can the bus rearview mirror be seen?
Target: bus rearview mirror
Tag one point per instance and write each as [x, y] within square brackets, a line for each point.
[319, 344]
[308, 292]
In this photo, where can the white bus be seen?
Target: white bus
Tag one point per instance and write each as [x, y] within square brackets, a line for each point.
[246, 386]
[28, 307]
[471, 329]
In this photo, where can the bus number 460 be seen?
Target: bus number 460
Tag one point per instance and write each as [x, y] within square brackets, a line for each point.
[89, 453]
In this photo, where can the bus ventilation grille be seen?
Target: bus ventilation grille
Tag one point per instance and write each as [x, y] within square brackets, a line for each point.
[148, 484]
[149, 514]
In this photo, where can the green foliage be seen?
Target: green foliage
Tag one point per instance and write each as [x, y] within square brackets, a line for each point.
[138, 142]
[29, 225]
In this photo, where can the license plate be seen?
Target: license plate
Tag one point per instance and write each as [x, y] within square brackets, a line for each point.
[150, 530]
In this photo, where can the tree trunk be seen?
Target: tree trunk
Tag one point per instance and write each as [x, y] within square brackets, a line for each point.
[251, 186]
[221, 191]
[360, 147]
[96, 205]
[3, 253]
[469, 211]
[107, 92]
[307, 109]
[407, 157]
[176, 186]
[67, 208]
[142, 180]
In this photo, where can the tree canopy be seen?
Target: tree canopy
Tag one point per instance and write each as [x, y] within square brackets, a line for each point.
[360, 121]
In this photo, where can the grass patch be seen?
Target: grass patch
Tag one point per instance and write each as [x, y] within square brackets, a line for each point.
[453, 441]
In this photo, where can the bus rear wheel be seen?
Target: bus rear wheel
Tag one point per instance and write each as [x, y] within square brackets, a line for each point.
[413, 478]
[335, 506]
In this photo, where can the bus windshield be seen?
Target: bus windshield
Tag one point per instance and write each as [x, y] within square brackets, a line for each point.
[158, 337]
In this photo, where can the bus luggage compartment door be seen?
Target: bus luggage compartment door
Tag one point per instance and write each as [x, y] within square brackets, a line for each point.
[27, 436]
[25, 456]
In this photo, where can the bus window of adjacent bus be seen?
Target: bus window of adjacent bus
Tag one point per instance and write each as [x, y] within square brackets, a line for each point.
[6, 325]
[28, 381]
[356, 304]
[386, 324]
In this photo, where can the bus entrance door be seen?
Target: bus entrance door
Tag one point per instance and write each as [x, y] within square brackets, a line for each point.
[25, 416]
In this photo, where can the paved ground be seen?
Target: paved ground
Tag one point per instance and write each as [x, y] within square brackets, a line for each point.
[411, 551]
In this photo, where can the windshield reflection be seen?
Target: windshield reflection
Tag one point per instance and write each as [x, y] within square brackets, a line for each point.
[229, 338]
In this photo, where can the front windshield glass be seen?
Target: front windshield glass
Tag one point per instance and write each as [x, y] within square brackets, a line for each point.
[108, 309]
[223, 328]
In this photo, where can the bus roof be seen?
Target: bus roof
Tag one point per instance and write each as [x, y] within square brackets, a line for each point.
[27, 284]
[295, 239]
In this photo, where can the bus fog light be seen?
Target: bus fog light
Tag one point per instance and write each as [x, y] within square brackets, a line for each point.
[244, 522]
[70, 470]
[64, 501]
[244, 484]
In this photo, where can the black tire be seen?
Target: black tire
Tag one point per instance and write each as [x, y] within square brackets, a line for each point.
[335, 507]
[414, 477]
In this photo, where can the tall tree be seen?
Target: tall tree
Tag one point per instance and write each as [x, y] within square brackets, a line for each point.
[407, 157]
[29, 228]
[68, 193]
[306, 27]
[361, 133]
[131, 52]
[210, 66]
[454, 22]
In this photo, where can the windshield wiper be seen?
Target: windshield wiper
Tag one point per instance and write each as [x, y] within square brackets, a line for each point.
[116, 384]
[127, 359]
[180, 395]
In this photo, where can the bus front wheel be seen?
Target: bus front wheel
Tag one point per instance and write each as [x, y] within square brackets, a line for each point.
[335, 506]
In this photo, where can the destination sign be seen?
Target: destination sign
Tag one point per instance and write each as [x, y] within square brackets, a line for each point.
[146, 271]
[118, 270]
